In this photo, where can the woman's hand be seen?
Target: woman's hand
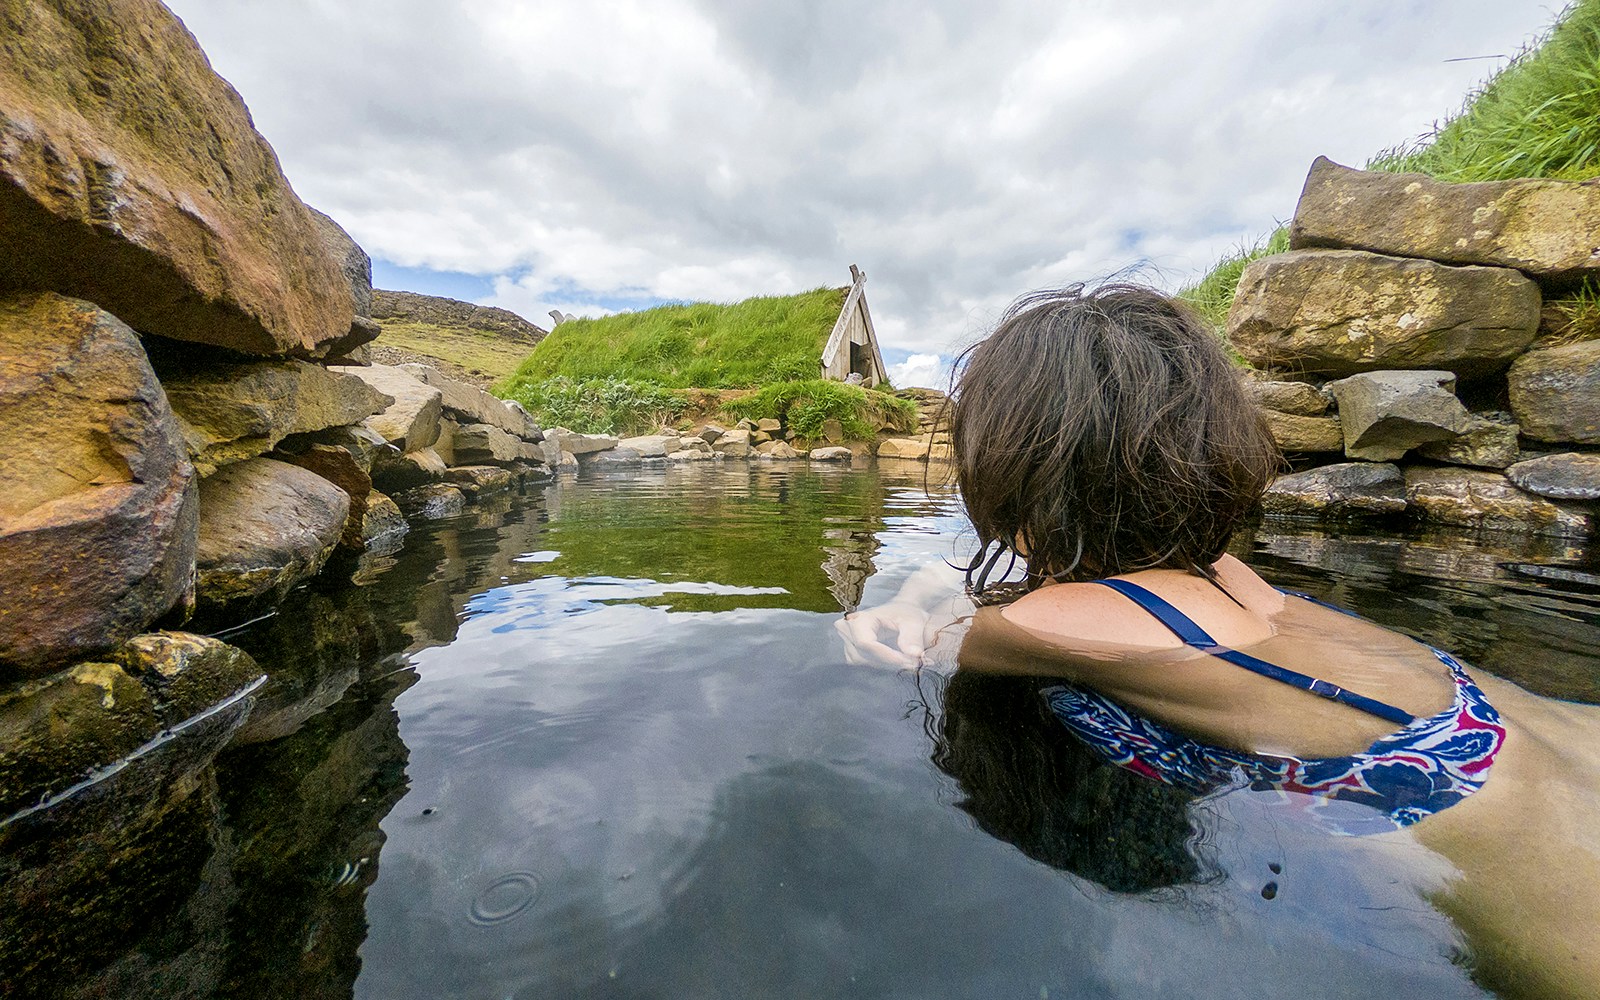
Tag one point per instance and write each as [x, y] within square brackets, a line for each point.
[889, 634]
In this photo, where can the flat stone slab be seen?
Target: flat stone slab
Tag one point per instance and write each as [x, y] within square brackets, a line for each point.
[1569, 476]
[1386, 414]
[655, 445]
[912, 448]
[231, 412]
[1555, 393]
[471, 405]
[1349, 488]
[1296, 398]
[1546, 228]
[486, 444]
[265, 526]
[579, 444]
[411, 422]
[1339, 312]
[1472, 498]
[1297, 433]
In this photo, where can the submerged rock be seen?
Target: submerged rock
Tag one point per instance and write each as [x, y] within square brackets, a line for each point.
[265, 526]
[832, 453]
[1545, 228]
[1569, 476]
[98, 514]
[231, 412]
[1349, 488]
[1471, 498]
[134, 178]
[1555, 393]
[1341, 312]
[432, 501]
[1386, 414]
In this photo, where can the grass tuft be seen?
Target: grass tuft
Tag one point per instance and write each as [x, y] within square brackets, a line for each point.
[600, 406]
[1539, 116]
[804, 406]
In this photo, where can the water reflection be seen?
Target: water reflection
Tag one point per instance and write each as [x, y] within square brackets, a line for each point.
[601, 741]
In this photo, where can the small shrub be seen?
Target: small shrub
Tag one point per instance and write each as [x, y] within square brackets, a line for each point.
[805, 405]
[597, 406]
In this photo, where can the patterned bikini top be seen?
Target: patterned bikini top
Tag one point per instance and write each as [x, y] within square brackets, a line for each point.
[1429, 765]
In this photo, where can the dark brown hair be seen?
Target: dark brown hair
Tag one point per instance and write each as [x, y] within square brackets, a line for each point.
[1101, 431]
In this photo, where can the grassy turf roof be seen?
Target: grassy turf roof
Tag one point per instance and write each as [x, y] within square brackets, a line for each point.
[701, 345]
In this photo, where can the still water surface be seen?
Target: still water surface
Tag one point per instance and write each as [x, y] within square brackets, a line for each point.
[602, 741]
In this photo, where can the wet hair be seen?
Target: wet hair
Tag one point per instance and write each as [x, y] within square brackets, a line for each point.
[1101, 431]
[1025, 780]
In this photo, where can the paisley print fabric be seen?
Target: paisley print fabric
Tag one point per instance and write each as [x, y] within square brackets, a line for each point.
[1429, 765]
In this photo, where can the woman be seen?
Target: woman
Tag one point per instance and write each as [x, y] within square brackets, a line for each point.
[1103, 442]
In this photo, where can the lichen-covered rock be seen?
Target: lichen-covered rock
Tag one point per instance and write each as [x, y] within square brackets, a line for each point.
[56, 731]
[1296, 398]
[1349, 488]
[1489, 442]
[134, 178]
[186, 673]
[832, 453]
[1341, 312]
[913, 448]
[1569, 476]
[1555, 394]
[579, 444]
[98, 511]
[1297, 433]
[231, 412]
[265, 526]
[1545, 228]
[411, 422]
[1386, 414]
[432, 501]
[1471, 498]
[469, 404]
[339, 467]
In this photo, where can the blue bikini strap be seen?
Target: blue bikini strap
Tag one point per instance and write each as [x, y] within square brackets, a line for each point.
[1193, 635]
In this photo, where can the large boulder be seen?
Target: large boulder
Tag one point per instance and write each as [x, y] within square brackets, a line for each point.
[131, 175]
[469, 404]
[734, 443]
[1472, 498]
[1545, 228]
[1349, 488]
[231, 412]
[265, 526]
[1386, 414]
[1555, 394]
[574, 443]
[485, 444]
[98, 513]
[411, 422]
[1569, 476]
[1342, 311]
[339, 467]
[353, 262]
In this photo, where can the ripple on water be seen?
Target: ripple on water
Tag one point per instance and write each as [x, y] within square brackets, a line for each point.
[504, 898]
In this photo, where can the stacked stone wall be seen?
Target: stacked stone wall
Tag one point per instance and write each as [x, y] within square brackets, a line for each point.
[1412, 355]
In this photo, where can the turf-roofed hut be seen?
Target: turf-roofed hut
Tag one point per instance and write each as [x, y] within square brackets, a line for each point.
[823, 333]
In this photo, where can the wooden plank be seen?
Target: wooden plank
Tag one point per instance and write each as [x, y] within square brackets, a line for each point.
[842, 324]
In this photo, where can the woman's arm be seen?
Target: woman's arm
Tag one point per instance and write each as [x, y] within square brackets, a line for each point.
[897, 632]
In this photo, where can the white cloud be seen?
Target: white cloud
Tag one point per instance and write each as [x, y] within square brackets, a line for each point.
[931, 371]
[584, 153]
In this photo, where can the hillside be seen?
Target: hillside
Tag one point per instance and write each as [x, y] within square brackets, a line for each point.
[482, 344]
[699, 345]
[1539, 116]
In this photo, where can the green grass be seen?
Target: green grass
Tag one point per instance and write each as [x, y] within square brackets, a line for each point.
[805, 405]
[485, 353]
[1212, 295]
[599, 406]
[1539, 116]
[700, 345]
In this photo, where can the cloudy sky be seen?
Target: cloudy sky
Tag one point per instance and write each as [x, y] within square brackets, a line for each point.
[603, 155]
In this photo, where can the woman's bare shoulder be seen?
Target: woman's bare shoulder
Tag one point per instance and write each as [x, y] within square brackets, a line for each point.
[1088, 612]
